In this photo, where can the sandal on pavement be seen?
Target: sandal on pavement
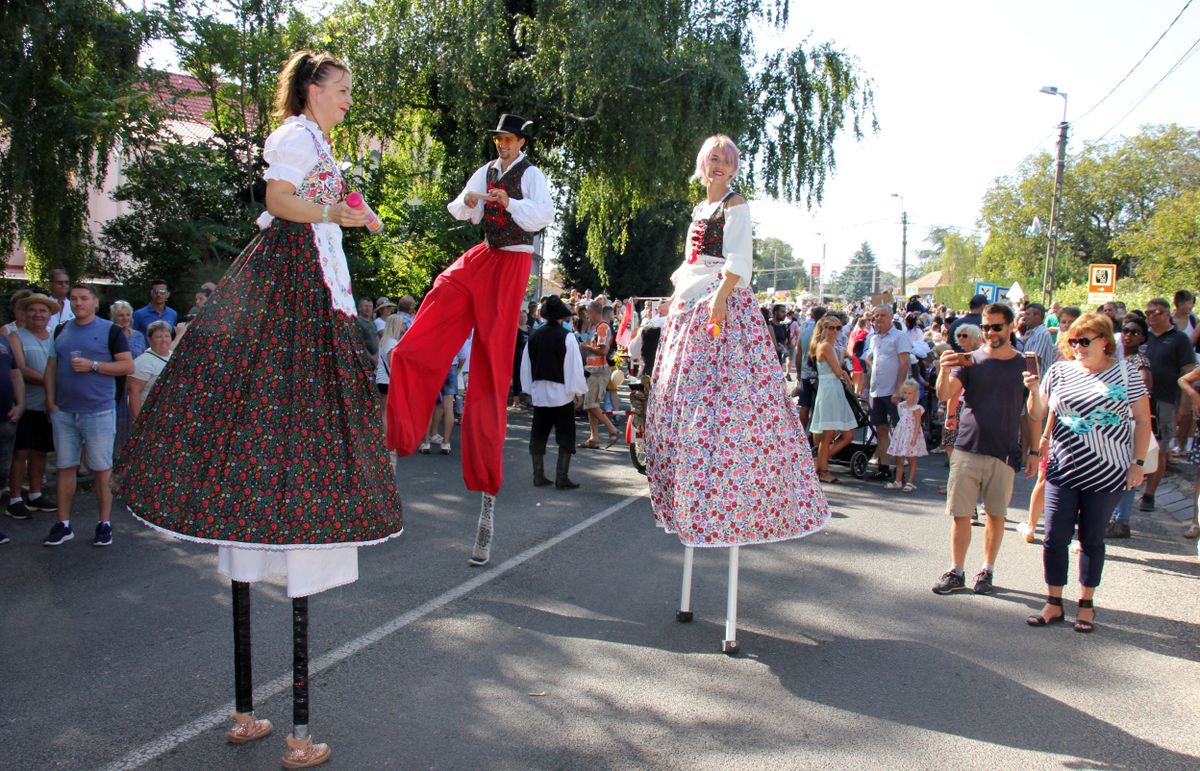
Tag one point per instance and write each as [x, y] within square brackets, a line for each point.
[590, 444]
[909, 487]
[1192, 532]
[302, 753]
[829, 479]
[1038, 619]
[893, 486]
[1026, 532]
[612, 439]
[247, 728]
[1086, 627]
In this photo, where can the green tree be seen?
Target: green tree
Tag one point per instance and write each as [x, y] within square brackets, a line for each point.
[622, 94]
[1108, 190]
[1166, 247]
[71, 94]
[643, 269]
[861, 276]
[776, 265]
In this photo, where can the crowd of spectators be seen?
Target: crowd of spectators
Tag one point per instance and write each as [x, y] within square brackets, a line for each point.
[76, 383]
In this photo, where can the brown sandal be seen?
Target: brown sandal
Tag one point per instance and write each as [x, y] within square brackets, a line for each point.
[247, 728]
[590, 445]
[302, 753]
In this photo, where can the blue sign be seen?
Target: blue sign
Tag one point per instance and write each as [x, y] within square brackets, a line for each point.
[992, 292]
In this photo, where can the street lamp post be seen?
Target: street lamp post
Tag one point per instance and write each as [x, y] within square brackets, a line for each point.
[903, 245]
[1052, 246]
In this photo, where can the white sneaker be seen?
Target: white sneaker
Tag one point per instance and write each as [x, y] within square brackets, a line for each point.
[424, 448]
[445, 448]
[435, 439]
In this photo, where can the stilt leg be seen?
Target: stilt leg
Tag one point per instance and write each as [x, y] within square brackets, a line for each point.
[684, 614]
[730, 645]
[300, 667]
[483, 539]
[246, 727]
[302, 753]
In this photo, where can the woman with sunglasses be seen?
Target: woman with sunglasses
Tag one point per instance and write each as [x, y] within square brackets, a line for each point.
[1096, 454]
[1134, 333]
[832, 415]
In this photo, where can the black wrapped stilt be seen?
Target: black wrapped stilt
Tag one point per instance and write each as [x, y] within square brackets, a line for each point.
[242, 682]
[300, 667]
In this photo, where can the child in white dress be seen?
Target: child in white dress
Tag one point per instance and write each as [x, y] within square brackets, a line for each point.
[908, 440]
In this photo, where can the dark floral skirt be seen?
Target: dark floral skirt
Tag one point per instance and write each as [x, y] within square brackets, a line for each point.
[264, 429]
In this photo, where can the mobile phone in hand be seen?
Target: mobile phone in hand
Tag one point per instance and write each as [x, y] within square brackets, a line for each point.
[1033, 365]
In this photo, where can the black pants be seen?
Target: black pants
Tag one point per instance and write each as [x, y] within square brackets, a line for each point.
[1067, 508]
[562, 420]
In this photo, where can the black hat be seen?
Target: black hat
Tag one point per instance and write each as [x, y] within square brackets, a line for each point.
[554, 309]
[979, 300]
[513, 124]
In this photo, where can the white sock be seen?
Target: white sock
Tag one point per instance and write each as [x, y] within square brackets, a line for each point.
[14, 501]
[34, 496]
[958, 569]
[989, 567]
[67, 523]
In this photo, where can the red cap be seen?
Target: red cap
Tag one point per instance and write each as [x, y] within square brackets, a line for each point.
[354, 200]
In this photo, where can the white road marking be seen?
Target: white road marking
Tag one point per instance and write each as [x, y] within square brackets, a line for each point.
[172, 739]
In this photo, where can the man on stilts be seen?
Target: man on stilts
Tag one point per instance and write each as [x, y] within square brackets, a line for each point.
[483, 290]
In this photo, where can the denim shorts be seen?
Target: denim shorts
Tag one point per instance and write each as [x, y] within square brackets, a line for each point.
[75, 432]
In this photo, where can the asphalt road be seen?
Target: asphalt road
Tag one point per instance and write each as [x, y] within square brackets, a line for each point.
[565, 652]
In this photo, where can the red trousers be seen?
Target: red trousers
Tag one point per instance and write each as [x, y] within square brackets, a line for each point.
[483, 290]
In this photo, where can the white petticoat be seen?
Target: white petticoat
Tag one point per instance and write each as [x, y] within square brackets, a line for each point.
[308, 571]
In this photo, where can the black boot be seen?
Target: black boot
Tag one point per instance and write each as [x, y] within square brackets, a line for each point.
[561, 480]
[539, 470]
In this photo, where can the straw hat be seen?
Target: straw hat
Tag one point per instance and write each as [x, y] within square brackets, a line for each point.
[39, 299]
[382, 303]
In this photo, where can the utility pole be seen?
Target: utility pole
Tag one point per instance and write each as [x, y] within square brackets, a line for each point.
[1052, 246]
[904, 253]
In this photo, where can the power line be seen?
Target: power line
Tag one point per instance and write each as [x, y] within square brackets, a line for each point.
[1183, 59]
[1139, 63]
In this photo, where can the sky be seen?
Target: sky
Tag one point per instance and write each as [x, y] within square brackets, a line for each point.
[957, 97]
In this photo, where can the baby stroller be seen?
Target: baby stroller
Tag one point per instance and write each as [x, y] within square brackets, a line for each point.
[856, 454]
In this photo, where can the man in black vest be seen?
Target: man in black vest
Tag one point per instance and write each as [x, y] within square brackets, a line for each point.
[483, 290]
[552, 372]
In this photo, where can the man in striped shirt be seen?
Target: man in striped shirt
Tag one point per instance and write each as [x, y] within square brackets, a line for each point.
[1037, 340]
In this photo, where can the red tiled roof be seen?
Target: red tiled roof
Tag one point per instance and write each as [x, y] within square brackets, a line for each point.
[185, 97]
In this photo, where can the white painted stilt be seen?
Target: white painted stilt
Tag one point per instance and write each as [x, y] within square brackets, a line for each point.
[482, 553]
[730, 645]
[684, 614]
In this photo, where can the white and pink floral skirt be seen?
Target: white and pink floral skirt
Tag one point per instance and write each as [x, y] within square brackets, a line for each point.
[726, 456]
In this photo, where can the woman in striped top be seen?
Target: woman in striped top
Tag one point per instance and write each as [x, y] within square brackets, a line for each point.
[1096, 453]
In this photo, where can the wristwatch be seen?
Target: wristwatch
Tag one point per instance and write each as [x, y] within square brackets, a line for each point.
[1140, 462]
[95, 366]
[1035, 453]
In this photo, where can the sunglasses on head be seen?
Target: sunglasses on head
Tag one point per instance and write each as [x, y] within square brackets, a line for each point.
[993, 327]
[1081, 342]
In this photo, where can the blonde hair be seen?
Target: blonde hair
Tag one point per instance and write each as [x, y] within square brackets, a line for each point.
[715, 142]
[394, 327]
[819, 334]
[910, 384]
[302, 69]
[1099, 323]
[119, 305]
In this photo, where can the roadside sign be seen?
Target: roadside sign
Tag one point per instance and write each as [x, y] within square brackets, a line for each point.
[1102, 278]
[1102, 283]
[993, 292]
[816, 270]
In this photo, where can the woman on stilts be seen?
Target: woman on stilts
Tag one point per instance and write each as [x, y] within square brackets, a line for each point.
[265, 419]
[727, 458]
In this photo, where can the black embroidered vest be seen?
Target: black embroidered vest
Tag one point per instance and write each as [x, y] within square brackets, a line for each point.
[498, 225]
[548, 352]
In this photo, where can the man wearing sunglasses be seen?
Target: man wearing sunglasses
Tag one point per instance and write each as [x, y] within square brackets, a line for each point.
[993, 383]
[156, 310]
[1171, 356]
